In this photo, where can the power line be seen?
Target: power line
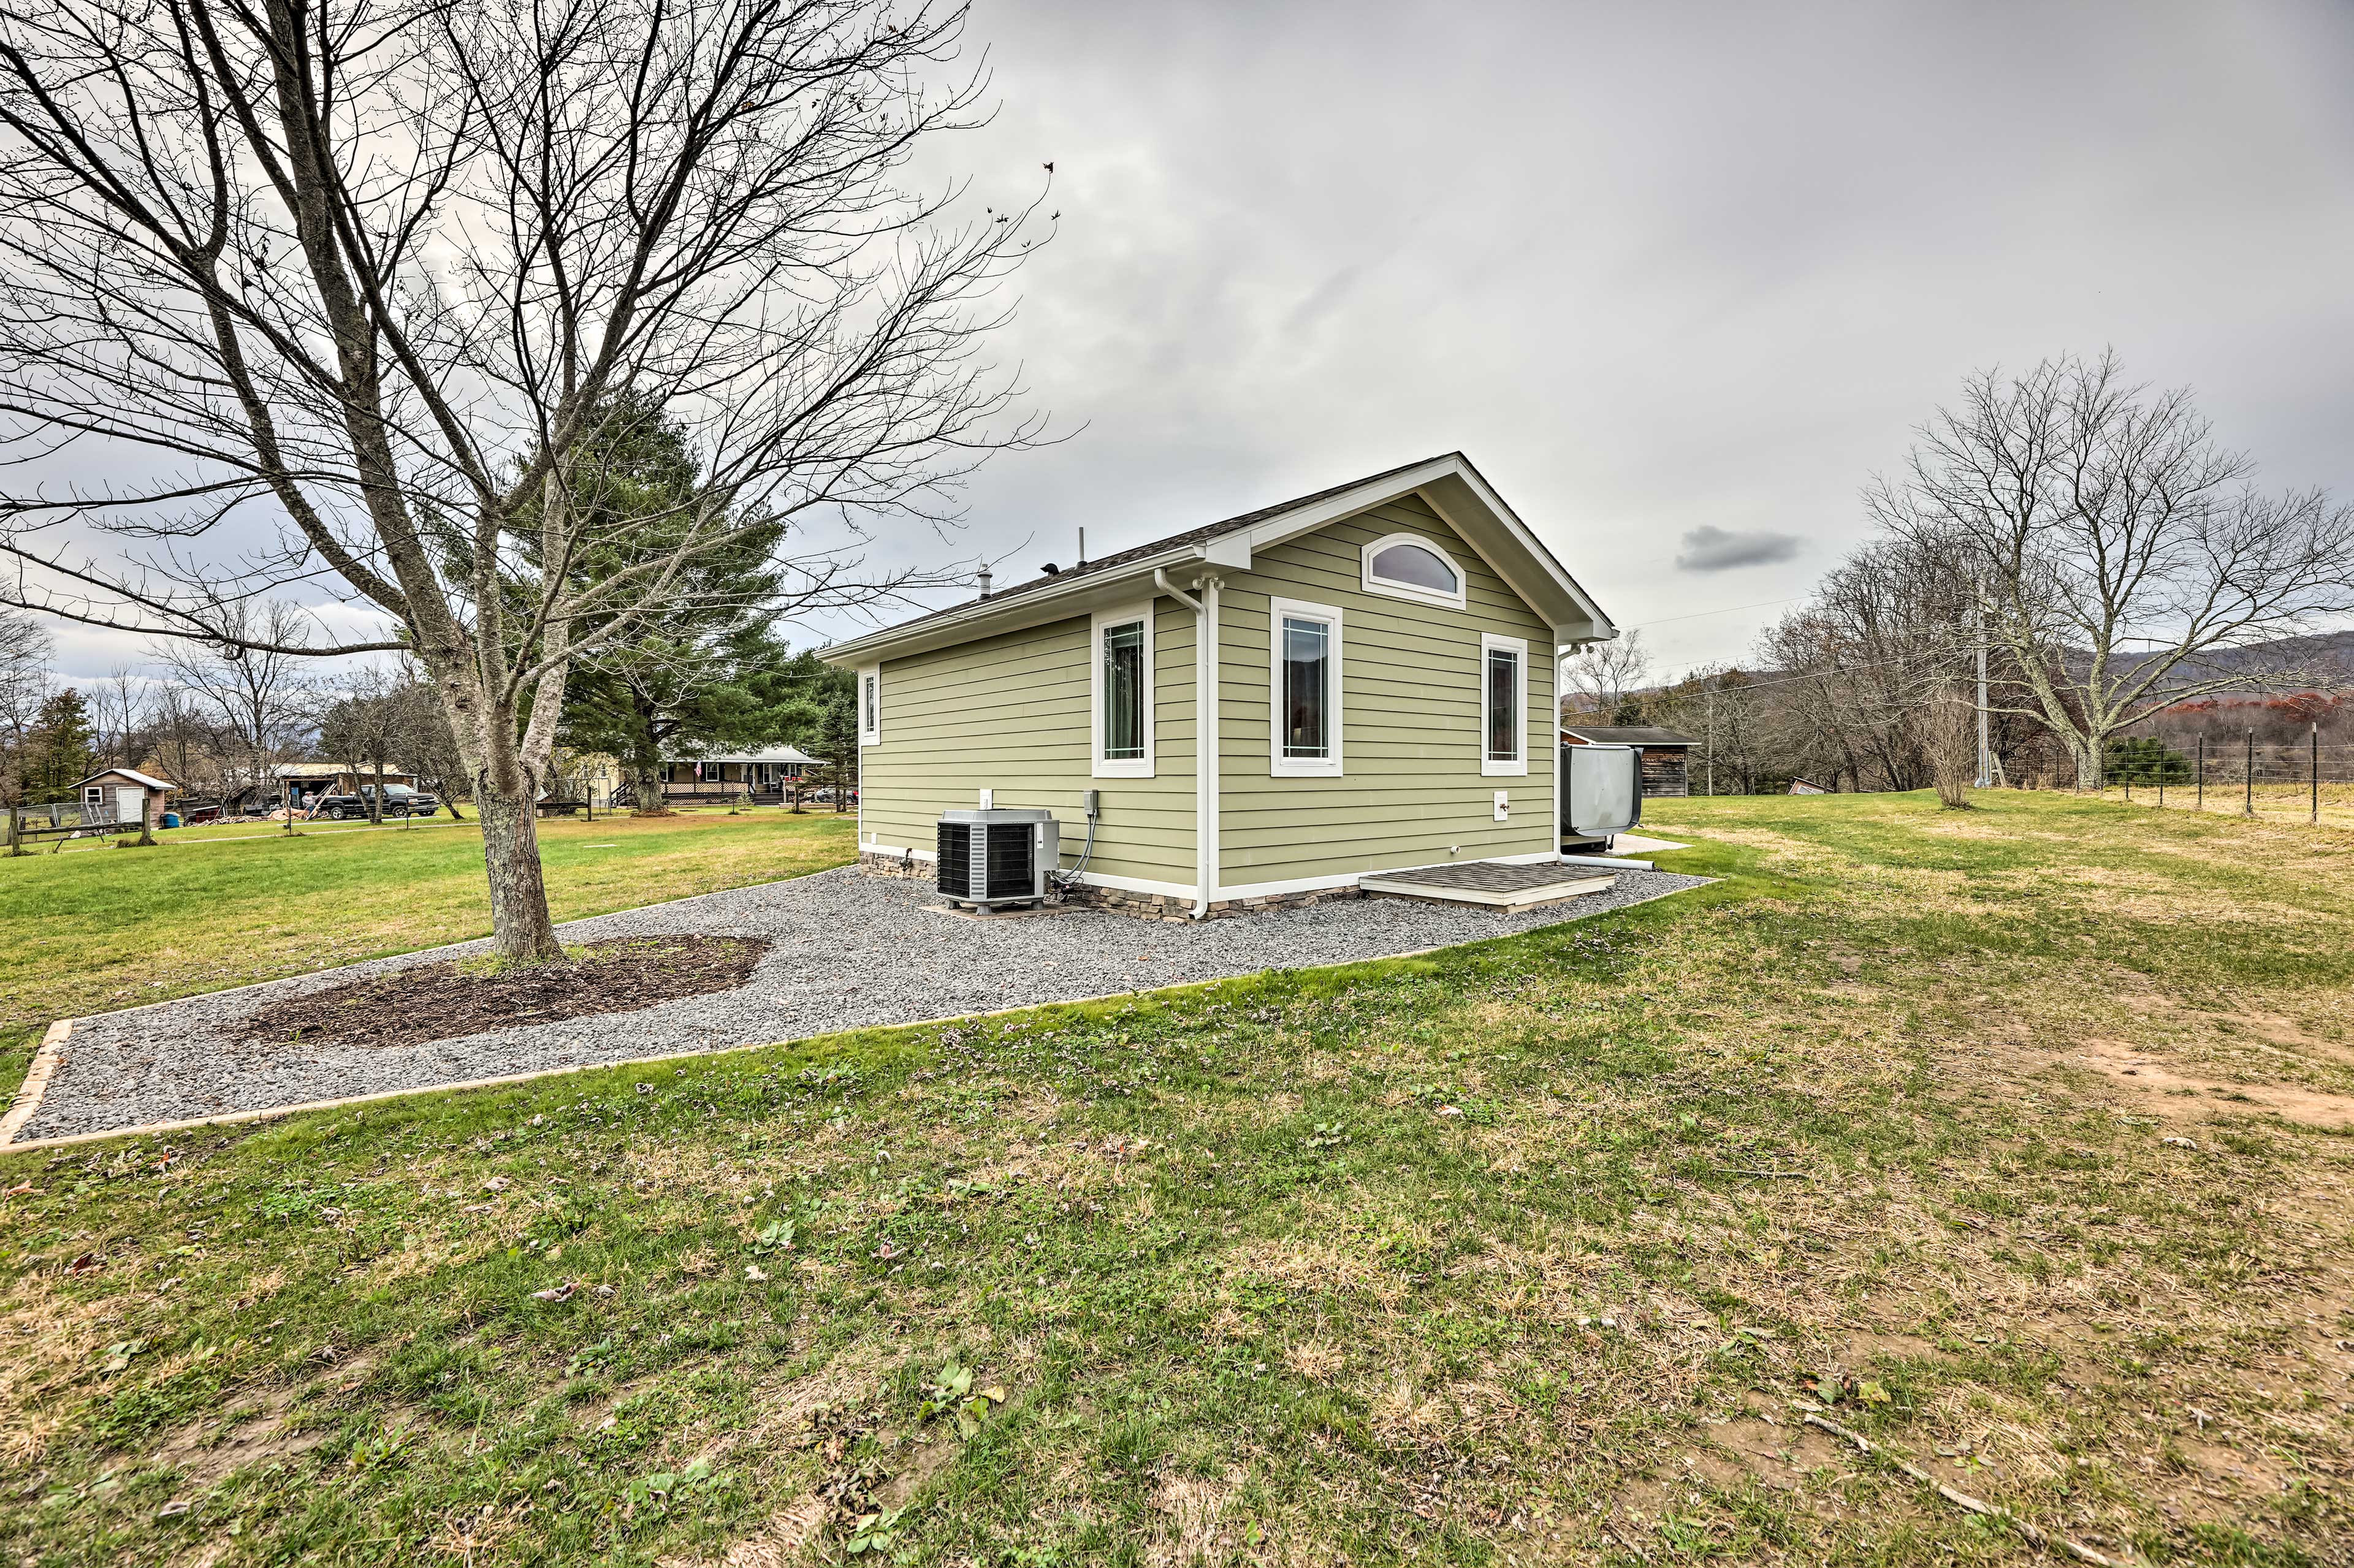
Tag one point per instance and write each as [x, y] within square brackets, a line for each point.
[1698, 614]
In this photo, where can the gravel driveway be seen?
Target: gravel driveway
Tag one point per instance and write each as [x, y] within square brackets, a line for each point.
[848, 951]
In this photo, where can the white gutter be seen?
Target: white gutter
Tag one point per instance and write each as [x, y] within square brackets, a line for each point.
[1206, 732]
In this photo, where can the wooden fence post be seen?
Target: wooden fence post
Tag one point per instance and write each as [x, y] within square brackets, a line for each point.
[2248, 779]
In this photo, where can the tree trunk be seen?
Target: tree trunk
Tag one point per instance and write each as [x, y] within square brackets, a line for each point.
[506, 797]
[520, 928]
[646, 789]
[376, 804]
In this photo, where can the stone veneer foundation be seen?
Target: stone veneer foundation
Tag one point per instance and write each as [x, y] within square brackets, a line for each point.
[1118, 901]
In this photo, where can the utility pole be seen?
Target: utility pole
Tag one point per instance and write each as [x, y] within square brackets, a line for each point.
[2248, 778]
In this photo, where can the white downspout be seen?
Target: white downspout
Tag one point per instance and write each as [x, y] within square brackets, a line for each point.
[1561, 653]
[1205, 733]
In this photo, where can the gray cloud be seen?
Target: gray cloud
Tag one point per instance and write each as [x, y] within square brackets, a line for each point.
[1707, 548]
[1713, 260]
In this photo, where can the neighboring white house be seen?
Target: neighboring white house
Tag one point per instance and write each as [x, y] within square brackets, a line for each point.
[735, 772]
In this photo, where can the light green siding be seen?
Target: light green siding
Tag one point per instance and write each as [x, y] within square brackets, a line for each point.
[1010, 713]
[1411, 789]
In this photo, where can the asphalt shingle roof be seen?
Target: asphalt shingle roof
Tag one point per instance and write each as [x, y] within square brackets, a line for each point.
[1628, 734]
[1141, 552]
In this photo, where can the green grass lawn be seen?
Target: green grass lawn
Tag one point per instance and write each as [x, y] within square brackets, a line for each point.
[96, 928]
[2014, 1137]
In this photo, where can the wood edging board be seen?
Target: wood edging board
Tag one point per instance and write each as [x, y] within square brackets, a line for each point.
[36, 1080]
[17, 1117]
[45, 1064]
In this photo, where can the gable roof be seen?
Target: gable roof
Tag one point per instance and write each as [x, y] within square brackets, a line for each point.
[772, 754]
[1628, 734]
[147, 779]
[1449, 484]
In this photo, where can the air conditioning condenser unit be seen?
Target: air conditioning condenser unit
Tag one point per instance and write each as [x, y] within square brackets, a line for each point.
[999, 856]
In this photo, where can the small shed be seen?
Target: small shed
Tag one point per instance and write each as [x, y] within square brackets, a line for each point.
[1664, 752]
[115, 794]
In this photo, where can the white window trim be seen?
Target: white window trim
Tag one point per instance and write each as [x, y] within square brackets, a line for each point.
[1389, 588]
[870, 734]
[1519, 648]
[1278, 764]
[1122, 768]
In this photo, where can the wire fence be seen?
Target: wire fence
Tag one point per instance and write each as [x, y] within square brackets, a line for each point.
[2308, 779]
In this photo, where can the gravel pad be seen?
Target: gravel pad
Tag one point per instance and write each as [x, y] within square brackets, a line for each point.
[846, 951]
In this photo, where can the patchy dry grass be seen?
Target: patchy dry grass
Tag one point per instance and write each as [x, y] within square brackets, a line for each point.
[91, 928]
[1529, 1252]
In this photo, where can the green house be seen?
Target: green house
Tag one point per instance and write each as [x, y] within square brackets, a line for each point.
[1377, 662]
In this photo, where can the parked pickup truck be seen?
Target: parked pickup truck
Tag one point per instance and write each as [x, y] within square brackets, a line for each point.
[400, 801]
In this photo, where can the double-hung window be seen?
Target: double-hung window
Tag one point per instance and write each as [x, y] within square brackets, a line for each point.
[1120, 693]
[1304, 688]
[1503, 705]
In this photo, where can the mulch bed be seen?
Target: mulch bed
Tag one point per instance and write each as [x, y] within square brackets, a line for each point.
[443, 1001]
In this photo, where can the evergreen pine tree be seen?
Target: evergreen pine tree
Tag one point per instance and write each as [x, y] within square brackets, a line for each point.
[60, 749]
[710, 672]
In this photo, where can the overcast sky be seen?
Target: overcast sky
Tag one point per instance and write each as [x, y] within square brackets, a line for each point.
[1678, 277]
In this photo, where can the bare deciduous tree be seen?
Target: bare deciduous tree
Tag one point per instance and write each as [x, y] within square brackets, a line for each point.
[2124, 558]
[188, 741]
[249, 684]
[1949, 726]
[25, 685]
[372, 272]
[1604, 680]
[1884, 634]
[118, 713]
[364, 725]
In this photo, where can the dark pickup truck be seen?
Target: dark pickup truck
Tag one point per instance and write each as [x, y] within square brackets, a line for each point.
[400, 801]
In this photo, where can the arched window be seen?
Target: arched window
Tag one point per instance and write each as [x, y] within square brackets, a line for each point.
[1408, 566]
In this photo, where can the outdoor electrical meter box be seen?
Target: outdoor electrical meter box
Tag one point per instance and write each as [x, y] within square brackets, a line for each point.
[1601, 792]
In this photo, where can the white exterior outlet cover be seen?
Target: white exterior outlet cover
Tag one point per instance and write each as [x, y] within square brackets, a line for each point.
[1503, 805]
[989, 799]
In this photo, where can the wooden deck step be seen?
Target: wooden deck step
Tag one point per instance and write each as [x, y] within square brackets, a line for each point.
[1492, 885]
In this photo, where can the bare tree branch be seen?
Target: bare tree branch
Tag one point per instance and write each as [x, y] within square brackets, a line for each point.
[361, 280]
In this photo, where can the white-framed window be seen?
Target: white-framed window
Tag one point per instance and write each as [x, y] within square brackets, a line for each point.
[1408, 566]
[1503, 705]
[1120, 692]
[1303, 689]
[870, 706]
